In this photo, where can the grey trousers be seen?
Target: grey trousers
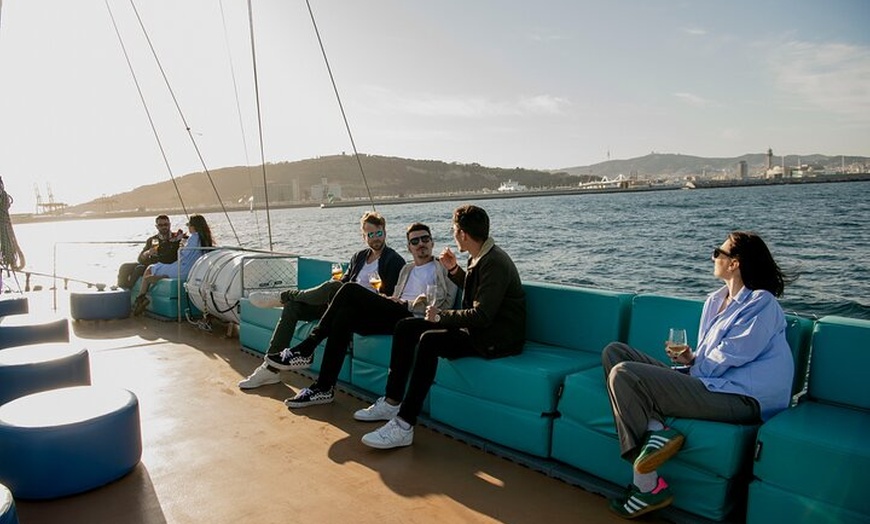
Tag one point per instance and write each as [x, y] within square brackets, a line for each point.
[301, 304]
[642, 388]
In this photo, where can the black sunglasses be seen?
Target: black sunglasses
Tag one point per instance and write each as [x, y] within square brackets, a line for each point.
[423, 238]
[719, 251]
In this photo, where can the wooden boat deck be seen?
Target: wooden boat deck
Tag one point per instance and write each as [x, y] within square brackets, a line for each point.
[213, 453]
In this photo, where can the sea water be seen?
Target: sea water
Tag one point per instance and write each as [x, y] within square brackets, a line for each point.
[645, 242]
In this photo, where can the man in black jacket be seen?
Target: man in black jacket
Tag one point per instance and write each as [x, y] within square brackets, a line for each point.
[162, 247]
[311, 304]
[490, 323]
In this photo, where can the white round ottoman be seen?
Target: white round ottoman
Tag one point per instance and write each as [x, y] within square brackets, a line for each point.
[100, 305]
[8, 515]
[66, 441]
[30, 369]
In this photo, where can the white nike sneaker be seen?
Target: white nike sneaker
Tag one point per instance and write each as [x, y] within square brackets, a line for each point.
[262, 376]
[390, 435]
[380, 410]
[265, 299]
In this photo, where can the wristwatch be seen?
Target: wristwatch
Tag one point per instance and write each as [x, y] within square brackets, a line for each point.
[437, 318]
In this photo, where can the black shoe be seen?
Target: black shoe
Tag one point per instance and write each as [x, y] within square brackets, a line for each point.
[141, 305]
[300, 356]
[310, 397]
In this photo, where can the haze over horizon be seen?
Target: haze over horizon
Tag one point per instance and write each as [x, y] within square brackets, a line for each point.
[552, 85]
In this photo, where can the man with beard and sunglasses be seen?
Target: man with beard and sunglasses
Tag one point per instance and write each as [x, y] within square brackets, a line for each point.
[353, 310]
[310, 304]
[162, 247]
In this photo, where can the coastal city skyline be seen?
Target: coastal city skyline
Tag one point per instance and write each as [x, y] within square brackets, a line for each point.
[560, 85]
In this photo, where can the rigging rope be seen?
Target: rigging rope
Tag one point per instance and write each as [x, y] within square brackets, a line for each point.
[186, 125]
[10, 253]
[241, 121]
[340, 105]
[259, 122]
[147, 111]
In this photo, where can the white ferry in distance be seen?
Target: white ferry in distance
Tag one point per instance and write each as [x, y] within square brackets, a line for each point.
[510, 185]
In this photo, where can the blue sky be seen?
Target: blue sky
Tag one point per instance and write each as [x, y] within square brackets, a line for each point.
[547, 85]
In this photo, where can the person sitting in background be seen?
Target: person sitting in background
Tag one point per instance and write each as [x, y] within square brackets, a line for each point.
[200, 237]
[491, 323]
[310, 304]
[354, 310]
[740, 373]
[162, 247]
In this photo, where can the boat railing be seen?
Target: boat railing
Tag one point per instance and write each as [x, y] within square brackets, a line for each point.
[66, 279]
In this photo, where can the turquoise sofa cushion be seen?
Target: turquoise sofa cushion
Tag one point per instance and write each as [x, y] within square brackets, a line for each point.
[720, 448]
[653, 315]
[502, 424]
[840, 359]
[574, 317]
[263, 317]
[529, 381]
[374, 349]
[768, 504]
[697, 491]
[819, 451]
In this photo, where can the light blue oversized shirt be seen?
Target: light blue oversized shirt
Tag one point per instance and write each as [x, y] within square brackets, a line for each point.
[743, 349]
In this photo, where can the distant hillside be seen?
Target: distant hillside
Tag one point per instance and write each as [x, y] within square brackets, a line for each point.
[291, 182]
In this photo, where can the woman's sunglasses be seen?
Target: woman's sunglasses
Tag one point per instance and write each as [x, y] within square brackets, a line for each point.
[717, 252]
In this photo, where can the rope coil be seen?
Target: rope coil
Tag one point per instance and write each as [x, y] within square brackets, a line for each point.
[11, 255]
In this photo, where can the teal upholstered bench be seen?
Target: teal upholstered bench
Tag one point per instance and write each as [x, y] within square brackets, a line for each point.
[165, 298]
[709, 473]
[512, 401]
[813, 459]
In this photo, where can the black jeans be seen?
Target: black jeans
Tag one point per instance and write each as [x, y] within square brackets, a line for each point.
[431, 342]
[306, 304]
[354, 309]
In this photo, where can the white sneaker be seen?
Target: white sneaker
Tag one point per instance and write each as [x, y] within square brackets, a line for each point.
[262, 376]
[265, 299]
[390, 435]
[380, 410]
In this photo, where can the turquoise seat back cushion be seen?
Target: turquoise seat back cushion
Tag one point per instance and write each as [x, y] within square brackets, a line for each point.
[653, 315]
[574, 317]
[839, 362]
[819, 451]
[312, 272]
[798, 332]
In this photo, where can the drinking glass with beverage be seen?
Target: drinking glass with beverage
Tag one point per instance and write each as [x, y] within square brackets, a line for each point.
[375, 281]
[676, 344]
[337, 271]
[431, 294]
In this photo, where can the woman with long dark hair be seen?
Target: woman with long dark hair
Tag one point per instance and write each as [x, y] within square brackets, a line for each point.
[741, 372]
